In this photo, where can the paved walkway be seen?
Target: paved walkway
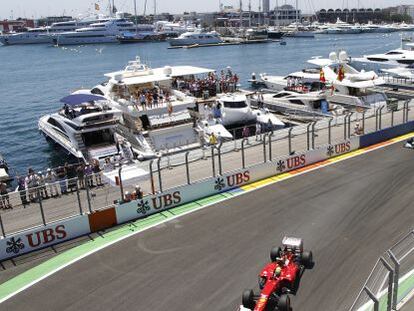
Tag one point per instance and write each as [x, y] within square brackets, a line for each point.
[174, 172]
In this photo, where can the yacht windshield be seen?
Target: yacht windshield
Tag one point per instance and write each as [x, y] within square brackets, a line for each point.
[240, 104]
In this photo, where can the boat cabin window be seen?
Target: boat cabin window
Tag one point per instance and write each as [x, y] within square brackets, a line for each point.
[235, 105]
[98, 138]
[54, 123]
[279, 95]
[393, 53]
[97, 91]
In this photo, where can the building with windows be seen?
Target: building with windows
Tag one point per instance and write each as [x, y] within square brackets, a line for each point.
[16, 25]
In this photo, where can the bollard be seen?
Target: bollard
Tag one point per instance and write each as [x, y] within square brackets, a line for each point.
[219, 158]
[88, 197]
[307, 135]
[242, 153]
[187, 167]
[213, 161]
[42, 212]
[3, 232]
[329, 131]
[313, 134]
[290, 139]
[159, 173]
[78, 196]
[264, 148]
[270, 145]
[380, 118]
[152, 177]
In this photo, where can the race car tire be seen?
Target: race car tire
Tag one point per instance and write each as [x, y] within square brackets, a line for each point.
[307, 259]
[275, 253]
[284, 303]
[248, 299]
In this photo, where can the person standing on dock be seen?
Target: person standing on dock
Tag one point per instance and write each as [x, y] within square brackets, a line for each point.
[4, 196]
[258, 131]
[246, 133]
[51, 182]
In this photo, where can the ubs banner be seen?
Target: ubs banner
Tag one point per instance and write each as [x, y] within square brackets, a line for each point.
[189, 193]
[41, 237]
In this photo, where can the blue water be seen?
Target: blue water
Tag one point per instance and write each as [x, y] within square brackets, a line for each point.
[34, 77]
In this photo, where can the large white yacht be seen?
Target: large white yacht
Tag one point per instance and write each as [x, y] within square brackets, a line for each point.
[403, 56]
[355, 88]
[84, 127]
[43, 34]
[105, 31]
[165, 124]
[196, 38]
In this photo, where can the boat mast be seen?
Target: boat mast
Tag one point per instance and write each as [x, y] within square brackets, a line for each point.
[250, 13]
[277, 15]
[241, 14]
[136, 17]
[155, 8]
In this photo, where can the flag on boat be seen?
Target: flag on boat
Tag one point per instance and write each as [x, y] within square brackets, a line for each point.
[341, 73]
[97, 8]
[322, 76]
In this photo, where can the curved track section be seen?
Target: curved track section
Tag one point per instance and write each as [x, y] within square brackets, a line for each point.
[348, 214]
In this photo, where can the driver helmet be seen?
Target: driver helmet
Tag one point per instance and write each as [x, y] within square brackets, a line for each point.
[278, 271]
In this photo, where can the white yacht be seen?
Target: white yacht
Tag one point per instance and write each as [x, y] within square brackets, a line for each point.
[196, 38]
[43, 34]
[165, 125]
[309, 78]
[83, 127]
[397, 57]
[105, 31]
[401, 72]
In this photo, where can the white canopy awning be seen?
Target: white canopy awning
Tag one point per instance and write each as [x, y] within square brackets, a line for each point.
[145, 79]
[131, 175]
[178, 71]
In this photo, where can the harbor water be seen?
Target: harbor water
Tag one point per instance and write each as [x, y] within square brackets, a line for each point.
[34, 77]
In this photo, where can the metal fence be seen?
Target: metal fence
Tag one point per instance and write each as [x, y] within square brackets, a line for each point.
[391, 280]
[184, 168]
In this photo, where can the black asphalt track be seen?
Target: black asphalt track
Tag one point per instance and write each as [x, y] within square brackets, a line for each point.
[348, 214]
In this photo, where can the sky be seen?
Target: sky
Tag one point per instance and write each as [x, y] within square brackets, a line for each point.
[39, 8]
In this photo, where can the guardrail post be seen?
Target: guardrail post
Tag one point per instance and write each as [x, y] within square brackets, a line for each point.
[3, 232]
[42, 212]
[373, 298]
[345, 123]
[264, 148]
[159, 173]
[242, 153]
[380, 118]
[88, 196]
[329, 131]
[363, 122]
[219, 158]
[376, 119]
[78, 196]
[152, 177]
[390, 282]
[313, 134]
[213, 161]
[290, 139]
[307, 135]
[235, 141]
[407, 110]
[187, 167]
[396, 278]
[405, 103]
[392, 117]
[121, 185]
[349, 124]
[270, 145]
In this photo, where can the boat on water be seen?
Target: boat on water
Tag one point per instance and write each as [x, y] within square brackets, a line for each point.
[401, 57]
[4, 171]
[43, 34]
[104, 31]
[197, 37]
[401, 72]
[84, 127]
[275, 33]
[342, 83]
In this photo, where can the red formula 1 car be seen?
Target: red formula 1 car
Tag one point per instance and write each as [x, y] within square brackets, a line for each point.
[280, 277]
